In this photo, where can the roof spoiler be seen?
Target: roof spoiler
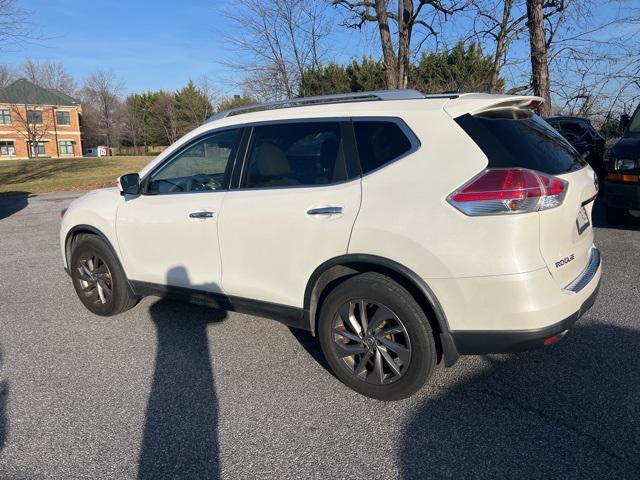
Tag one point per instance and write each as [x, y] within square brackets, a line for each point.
[475, 103]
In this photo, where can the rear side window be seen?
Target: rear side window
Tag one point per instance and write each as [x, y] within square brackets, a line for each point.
[295, 154]
[516, 138]
[379, 142]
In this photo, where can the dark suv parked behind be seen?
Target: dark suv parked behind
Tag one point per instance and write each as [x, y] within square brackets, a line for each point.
[622, 187]
[583, 137]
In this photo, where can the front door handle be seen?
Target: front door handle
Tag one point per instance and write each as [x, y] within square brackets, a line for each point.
[325, 211]
[201, 214]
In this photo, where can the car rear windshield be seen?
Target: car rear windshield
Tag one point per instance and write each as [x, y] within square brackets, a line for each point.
[518, 138]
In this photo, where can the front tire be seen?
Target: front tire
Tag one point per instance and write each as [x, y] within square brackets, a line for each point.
[376, 338]
[98, 278]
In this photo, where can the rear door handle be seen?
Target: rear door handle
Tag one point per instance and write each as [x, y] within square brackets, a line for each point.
[325, 211]
[201, 214]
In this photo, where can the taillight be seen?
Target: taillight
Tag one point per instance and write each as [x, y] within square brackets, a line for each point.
[509, 190]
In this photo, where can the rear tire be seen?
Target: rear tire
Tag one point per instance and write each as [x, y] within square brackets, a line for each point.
[389, 352]
[98, 278]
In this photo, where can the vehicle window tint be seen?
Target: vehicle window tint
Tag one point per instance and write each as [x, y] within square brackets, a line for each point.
[556, 125]
[202, 166]
[379, 142]
[511, 138]
[573, 131]
[295, 154]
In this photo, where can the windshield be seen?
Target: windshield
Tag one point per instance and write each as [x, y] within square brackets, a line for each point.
[634, 125]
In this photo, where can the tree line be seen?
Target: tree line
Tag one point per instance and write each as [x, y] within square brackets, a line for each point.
[580, 61]
[138, 120]
[581, 56]
[152, 118]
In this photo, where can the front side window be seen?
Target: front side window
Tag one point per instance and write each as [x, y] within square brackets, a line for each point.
[202, 166]
[63, 118]
[5, 117]
[34, 117]
[7, 148]
[295, 154]
[66, 147]
[379, 142]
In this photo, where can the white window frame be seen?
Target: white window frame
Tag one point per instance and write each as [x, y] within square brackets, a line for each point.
[35, 110]
[73, 147]
[63, 124]
[3, 116]
[13, 143]
[44, 147]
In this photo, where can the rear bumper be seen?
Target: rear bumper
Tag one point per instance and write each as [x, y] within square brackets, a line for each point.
[515, 312]
[483, 342]
[621, 195]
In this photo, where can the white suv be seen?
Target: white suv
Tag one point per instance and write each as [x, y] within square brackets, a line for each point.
[401, 229]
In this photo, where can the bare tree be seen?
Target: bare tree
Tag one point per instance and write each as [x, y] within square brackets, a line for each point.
[540, 80]
[209, 90]
[165, 116]
[404, 18]
[594, 60]
[14, 26]
[277, 41]
[102, 106]
[503, 22]
[7, 76]
[49, 75]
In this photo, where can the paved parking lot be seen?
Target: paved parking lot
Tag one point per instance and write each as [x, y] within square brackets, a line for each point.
[176, 391]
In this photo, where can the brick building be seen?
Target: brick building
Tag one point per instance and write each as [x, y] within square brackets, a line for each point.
[38, 122]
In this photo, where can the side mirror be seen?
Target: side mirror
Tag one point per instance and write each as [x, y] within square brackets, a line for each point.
[129, 184]
[624, 121]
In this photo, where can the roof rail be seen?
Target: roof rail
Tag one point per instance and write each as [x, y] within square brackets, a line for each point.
[405, 94]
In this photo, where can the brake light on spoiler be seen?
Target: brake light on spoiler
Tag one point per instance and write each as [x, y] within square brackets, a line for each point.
[507, 191]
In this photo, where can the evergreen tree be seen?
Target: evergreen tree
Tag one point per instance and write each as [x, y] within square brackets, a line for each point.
[192, 107]
[461, 69]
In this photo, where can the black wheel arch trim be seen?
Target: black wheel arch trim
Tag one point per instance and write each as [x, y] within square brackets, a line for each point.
[450, 354]
[78, 229]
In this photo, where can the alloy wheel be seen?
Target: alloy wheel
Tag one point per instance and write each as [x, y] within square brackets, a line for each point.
[95, 278]
[372, 341]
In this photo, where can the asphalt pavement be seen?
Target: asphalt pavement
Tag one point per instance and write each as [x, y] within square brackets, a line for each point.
[170, 390]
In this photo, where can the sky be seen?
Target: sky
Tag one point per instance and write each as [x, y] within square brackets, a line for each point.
[161, 44]
[148, 44]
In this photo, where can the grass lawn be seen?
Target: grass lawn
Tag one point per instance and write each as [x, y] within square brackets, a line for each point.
[55, 174]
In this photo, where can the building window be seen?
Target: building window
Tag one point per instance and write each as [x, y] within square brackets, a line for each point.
[7, 148]
[63, 118]
[34, 117]
[39, 150]
[5, 117]
[66, 147]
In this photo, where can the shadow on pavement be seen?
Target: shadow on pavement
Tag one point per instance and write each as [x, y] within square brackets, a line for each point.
[180, 437]
[569, 412]
[312, 345]
[4, 422]
[13, 202]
